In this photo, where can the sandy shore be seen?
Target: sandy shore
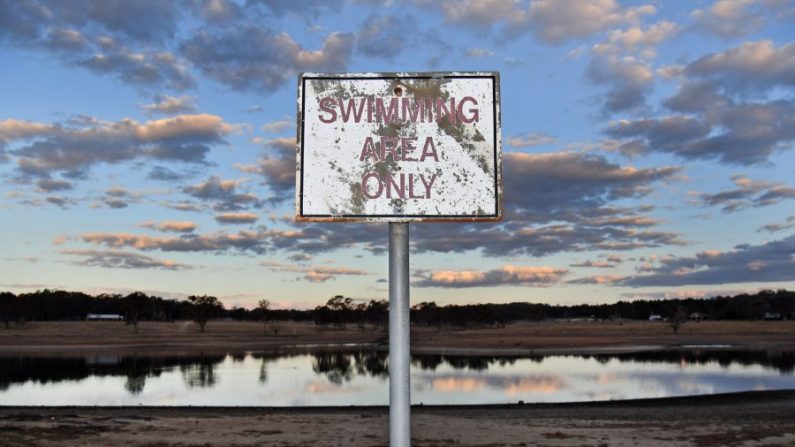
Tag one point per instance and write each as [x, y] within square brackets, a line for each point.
[747, 419]
[517, 339]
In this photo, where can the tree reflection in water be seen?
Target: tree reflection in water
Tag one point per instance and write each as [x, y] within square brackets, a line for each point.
[201, 373]
[265, 359]
[338, 367]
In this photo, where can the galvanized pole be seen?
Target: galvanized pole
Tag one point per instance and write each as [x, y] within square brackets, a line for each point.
[399, 356]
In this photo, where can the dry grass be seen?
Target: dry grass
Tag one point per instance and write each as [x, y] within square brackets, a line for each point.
[522, 337]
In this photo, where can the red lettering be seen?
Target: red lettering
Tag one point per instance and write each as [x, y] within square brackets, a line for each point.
[368, 150]
[429, 150]
[326, 105]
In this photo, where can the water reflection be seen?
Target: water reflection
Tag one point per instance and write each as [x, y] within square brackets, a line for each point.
[201, 373]
[340, 367]
[359, 377]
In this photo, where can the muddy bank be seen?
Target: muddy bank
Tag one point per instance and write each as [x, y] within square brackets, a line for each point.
[749, 419]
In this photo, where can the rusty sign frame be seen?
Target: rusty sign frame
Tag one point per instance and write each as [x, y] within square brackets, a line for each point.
[494, 76]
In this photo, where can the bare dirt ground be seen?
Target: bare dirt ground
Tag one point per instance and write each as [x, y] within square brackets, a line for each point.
[744, 419]
[520, 338]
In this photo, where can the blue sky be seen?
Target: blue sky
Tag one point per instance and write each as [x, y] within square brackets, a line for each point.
[647, 148]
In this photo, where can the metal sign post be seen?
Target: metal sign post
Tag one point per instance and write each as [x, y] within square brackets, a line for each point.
[399, 148]
[399, 338]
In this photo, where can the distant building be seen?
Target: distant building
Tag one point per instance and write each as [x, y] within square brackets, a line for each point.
[104, 317]
[698, 316]
[772, 316]
[655, 317]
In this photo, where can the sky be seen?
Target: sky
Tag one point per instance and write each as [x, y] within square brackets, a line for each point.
[149, 145]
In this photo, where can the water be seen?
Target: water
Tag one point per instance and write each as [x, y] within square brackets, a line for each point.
[360, 378]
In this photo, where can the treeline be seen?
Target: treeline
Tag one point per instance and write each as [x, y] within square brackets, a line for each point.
[60, 305]
[342, 311]
[739, 307]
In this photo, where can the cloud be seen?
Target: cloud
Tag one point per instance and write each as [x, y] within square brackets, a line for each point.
[121, 260]
[219, 12]
[279, 126]
[62, 202]
[122, 17]
[726, 108]
[117, 197]
[313, 274]
[45, 148]
[301, 8]
[115, 203]
[517, 239]
[768, 262]
[736, 18]
[243, 241]
[306, 239]
[29, 19]
[22, 21]
[757, 65]
[174, 226]
[223, 194]
[595, 264]
[385, 36]
[710, 125]
[170, 105]
[100, 35]
[479, 52]
[312, 239]
[164, 174]
[150, 69]
[597, 279]
[556, 22]
[687, 293]
[553, 22]
[236, 218]
[183, 206]
[50, 185]
[772, 228]
[479, 13]
[530, 139]
[748, 193]
[559, 202]
[637, 39]
[254, 58]
[65, 39]
[300, 257]
[276, 165]
[628, 80]
[505, 276]
[555, 202]
[553, 182]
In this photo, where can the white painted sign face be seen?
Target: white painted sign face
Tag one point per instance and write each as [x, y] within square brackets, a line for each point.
[399, 147]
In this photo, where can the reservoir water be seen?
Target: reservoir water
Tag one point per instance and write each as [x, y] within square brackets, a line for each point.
[360, 377]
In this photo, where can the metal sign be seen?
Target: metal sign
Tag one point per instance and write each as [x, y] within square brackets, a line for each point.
[399, 147]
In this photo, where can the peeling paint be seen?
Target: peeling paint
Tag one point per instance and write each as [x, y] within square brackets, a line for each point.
[459, 177]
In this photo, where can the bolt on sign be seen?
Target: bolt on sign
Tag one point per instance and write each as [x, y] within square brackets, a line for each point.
[399, 147]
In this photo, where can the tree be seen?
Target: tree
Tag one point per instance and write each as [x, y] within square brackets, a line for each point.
[678, 318]
[377, 313]
[263, 306]
[135, 305]
[204, 308]
[8, 308]
[341, 307]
